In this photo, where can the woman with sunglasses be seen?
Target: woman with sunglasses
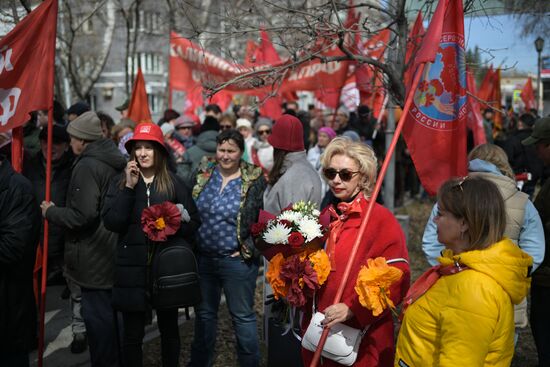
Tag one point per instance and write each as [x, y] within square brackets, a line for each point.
[262, 151]
[461, 313]
[350, 171]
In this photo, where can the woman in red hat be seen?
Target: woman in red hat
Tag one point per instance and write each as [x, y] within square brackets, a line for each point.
[146, 181]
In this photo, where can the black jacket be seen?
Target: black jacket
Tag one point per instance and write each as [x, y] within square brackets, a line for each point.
[523, 158]
[34, 169]
[122, 214]
[89, 247]
[19, 228]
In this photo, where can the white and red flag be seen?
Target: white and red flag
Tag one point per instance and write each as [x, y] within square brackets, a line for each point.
[435, 126]
[27, 55]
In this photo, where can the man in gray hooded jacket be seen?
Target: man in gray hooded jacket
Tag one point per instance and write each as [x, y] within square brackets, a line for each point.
[89, 247]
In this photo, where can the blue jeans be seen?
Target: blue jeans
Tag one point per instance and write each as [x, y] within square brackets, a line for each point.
[238, 281]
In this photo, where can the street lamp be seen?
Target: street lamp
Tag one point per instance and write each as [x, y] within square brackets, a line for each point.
[539, 46]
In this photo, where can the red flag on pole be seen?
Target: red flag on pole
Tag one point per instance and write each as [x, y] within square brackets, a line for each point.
[435, 129]
[485, 90]
[138, 109]
[266, 54]
[474, 119]
[413, 44]
[27, 56]
[527, 95]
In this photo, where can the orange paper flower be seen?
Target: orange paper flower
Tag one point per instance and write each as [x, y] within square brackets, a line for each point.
[373, 285]
[321, 265]
[273, 276]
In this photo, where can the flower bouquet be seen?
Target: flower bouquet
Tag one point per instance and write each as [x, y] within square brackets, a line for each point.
[300, 227]
[292, 242]
[373, 285]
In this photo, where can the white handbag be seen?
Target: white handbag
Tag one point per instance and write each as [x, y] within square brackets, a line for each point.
[342, 342]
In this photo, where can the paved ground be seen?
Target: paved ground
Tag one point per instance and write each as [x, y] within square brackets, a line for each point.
[58, 334]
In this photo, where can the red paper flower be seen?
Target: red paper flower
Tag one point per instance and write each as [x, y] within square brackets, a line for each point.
[160, 221]
[295, 239]
[302, 278]
[256, 229]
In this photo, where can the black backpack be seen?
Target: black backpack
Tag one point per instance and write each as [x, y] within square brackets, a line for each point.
[175, 278]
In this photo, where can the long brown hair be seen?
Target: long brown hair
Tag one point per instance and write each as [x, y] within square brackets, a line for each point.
[163, 182]
[277, 170]
[479, 203]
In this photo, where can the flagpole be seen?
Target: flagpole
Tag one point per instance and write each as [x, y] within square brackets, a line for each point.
[372, 201]
[45, 241]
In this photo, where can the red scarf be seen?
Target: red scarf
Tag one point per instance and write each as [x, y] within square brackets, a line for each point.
[345, 209]
[426, 281]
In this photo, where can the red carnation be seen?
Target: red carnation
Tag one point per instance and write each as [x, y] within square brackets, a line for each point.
[295, 239]
[256, 229]
[160, 221]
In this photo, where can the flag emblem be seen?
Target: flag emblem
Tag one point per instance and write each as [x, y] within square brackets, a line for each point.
[440, 99]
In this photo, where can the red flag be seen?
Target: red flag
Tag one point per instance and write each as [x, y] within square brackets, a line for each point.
[266, 54]
[527, 95]
[474, 119]
[435, 126]
[496, 98]
[489, 93]
[27, 57]
[413, 44]
[486, 88]
[250, 53]
[138, 109]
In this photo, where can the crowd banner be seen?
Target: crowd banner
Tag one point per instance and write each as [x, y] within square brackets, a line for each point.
[192, 67]
[435, 129]
[138, 109]
[528, 96]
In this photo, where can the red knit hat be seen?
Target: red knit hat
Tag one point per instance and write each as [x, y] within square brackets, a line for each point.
[287, 134]
[146, 131]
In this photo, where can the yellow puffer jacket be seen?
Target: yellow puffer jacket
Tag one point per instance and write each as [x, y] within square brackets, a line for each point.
[467, 319]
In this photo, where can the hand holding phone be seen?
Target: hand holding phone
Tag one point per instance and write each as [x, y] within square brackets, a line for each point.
[132, 173]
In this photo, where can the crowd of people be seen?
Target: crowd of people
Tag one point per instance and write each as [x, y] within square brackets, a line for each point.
[485, 237]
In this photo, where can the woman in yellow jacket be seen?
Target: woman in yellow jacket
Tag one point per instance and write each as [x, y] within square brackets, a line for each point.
[460, 313]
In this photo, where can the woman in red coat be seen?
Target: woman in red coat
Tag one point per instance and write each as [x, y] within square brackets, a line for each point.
[350, 170]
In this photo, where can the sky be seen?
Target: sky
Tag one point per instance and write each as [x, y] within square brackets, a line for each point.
[502, 36]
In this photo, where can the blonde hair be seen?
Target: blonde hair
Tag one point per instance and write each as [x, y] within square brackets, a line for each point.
[479, 203]
[361, 153]
[493, 154]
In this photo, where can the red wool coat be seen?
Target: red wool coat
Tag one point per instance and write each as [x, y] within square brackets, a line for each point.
[383, 237]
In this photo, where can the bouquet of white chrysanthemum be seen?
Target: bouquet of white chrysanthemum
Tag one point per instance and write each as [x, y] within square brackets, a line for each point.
[299, 227]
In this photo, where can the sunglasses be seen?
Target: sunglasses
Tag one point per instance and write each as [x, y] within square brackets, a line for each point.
[345, 174]
[184, 128]
[261, 132]
[225, 127]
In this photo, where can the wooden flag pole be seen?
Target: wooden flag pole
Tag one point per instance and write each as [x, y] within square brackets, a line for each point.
[372, 201]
